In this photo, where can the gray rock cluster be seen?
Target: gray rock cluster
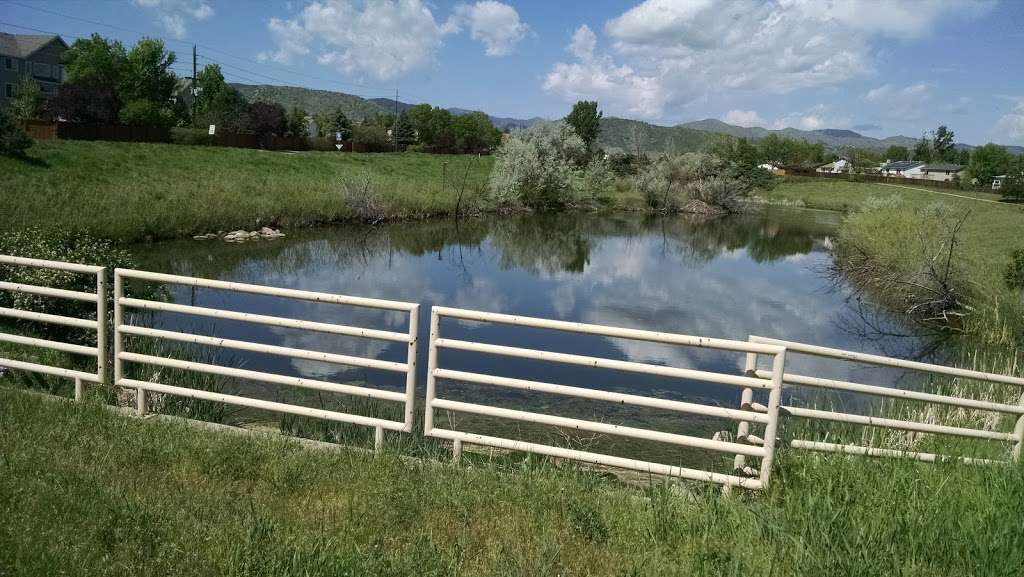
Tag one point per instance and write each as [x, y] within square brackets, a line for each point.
[265, 233]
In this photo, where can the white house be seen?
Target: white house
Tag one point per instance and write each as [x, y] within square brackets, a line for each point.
[836, 167]
[941, 171]
[904, 168]
[997, 182]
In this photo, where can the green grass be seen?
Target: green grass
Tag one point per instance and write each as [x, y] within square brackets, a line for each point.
[134, 191]
[87, 492]
[990, 234]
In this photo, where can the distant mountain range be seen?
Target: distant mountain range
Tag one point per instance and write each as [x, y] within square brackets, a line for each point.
[616, 133]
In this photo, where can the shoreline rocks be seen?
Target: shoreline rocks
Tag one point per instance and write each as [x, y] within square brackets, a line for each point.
[265, 233]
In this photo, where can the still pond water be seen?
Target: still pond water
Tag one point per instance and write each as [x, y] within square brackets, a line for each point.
[757, 274]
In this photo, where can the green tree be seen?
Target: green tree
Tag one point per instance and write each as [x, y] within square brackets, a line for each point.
[95, 60]
[147, 73]
[896, 153]
[585, 120]
[989, 161]
[777, 150]
[13, 140]
[28, 102]
[923, 150]
[404, 131]
[337, 121]
[964, 157]
[210, 83]
[942, 144]
[298, 125]
[474, 132]
[421, 116]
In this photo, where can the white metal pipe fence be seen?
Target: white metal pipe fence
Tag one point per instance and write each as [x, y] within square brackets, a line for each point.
[97, 326]
[919, 424]
[122, 329]
[433, 404]
[748, 415]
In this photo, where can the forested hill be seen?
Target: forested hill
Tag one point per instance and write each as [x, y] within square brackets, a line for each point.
[625, 135]
[312, 101]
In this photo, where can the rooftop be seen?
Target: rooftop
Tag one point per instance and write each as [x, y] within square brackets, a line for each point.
[901, 165]
[942, 167]
[24, 45]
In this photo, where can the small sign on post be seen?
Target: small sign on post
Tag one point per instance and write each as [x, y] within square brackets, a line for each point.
[213, 129]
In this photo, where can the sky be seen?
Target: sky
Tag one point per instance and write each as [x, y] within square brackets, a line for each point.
[880, 67]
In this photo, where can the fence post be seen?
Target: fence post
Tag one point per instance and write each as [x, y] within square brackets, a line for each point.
[410, 377]
[771, 429]
[456, 451]
[101, 325]
[1018, 430]
[428, 404]
[378, 438]
[747, 397]
[78, 389]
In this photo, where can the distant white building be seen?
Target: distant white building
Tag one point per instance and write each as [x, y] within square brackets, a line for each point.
[838, 167]
[997, 181]
[941, 171]
[904, 168]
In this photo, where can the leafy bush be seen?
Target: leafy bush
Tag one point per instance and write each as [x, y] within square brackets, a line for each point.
[13, 139]
[191, 136]
[626, 164]
[545, 167]
[692, 182]
[145, 113]
[68, 247]
[907, 257]
[369, 138]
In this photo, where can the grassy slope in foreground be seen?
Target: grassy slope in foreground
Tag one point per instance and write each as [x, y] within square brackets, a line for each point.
[84, 491]
[133, 191]
[991, 232]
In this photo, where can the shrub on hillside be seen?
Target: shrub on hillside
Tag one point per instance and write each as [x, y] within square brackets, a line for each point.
[14, 141]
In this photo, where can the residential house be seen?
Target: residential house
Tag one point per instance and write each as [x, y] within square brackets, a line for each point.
[776, 170]
[838, 167]
[942, 171]
[39, 57]
[997, 182]
[904, 168]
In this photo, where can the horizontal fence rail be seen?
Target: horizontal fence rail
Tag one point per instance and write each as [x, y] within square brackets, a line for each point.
[919, 425]
[96, 327]
[764, 451]
[123, 329]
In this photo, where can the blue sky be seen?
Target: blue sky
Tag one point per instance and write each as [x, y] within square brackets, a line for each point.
[880, 67]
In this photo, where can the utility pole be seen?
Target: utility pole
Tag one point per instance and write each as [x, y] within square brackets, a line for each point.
[195, 88]
[395, 129]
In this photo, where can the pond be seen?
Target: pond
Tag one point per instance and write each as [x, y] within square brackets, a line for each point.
[763, 273]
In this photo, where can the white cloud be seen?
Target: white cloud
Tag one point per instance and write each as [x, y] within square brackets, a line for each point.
[817, 118]
[495, 24]
[583, 43]
[905, 103]
[617, 87]
[1011, 126]
[745, 118]
[385, 39]
[173, 14]
[702, 47]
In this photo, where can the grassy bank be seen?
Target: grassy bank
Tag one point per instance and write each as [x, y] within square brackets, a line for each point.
[84, 491]
[135, 191]
[990, 233]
